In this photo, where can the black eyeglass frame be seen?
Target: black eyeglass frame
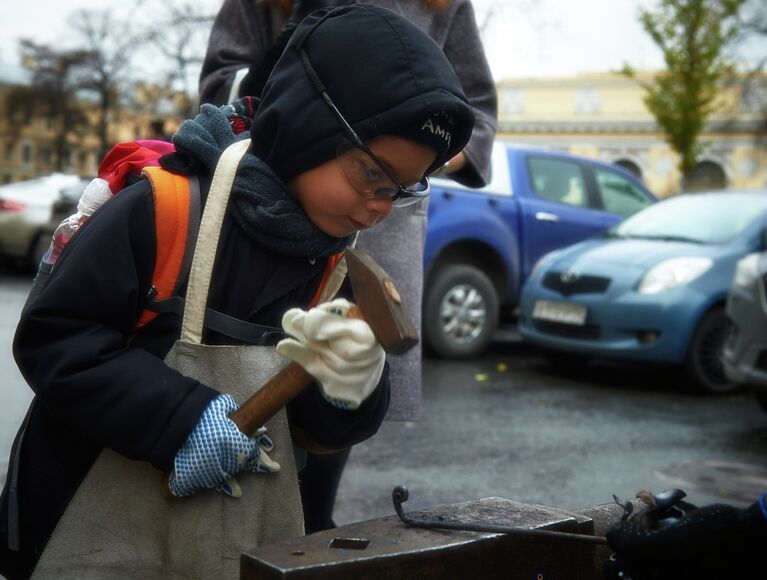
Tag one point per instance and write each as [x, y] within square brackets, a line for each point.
[404, 193]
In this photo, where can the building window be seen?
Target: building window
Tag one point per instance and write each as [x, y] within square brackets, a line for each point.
[512, 101]
[47, 156]
[706, 175]
[9, 151]
[93, 163]
[27, 151]
[66, 159]
[629, 166]
[587, 100]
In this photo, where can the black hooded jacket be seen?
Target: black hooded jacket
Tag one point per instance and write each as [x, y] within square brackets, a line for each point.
[384, 74]
[98, 384]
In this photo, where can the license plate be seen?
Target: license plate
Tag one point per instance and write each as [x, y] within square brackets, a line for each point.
[562, 312]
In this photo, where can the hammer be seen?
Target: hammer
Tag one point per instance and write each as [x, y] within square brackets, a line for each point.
[378, 303]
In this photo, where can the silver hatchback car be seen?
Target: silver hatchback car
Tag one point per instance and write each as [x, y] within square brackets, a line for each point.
[28, 210]
[745, 350]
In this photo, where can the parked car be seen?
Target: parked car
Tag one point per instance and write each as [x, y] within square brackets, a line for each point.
[652, 288]
[745, 350]
[28, 208]
[482, 243]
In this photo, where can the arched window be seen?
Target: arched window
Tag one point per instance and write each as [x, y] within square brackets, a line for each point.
[706, 175]
[629, 166]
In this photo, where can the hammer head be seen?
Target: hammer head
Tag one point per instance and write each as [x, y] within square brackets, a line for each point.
[377, 297]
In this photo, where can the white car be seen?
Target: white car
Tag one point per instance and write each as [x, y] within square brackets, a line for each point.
[27, 211]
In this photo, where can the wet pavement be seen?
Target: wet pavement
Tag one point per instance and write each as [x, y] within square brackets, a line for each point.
[509, 425]
[14, 393]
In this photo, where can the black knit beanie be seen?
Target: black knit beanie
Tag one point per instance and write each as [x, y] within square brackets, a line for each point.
[385, 76]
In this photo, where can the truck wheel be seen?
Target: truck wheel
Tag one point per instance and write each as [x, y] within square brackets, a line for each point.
[460, 311]
[704, 361]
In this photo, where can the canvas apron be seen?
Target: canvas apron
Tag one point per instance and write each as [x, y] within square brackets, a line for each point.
[123, 523]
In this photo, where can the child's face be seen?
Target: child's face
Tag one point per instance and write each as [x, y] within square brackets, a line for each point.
[337, 208]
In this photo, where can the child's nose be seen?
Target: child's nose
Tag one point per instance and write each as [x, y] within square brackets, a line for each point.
[380, 205]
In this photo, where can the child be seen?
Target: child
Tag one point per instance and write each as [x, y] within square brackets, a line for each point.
[239, 57]
[358, 110]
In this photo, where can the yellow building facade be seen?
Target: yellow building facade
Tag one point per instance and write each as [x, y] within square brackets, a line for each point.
[603, 116]
[27, 144]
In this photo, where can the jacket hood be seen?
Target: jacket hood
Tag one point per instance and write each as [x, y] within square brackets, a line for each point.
[385, 76]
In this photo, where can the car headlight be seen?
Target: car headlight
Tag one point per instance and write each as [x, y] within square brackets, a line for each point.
[746, 271]
[672, 273]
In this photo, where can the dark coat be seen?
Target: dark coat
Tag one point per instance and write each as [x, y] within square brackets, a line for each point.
[98, 384]
[245, 30]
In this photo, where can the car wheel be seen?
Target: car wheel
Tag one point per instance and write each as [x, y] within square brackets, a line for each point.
[704, 360]
[460, 311]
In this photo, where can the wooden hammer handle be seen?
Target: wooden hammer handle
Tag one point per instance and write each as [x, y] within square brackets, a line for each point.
[276, 393]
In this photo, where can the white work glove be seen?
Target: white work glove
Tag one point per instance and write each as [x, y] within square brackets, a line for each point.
[216, 450]
[340, 352]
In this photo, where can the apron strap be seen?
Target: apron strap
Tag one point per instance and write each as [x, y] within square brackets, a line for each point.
[207, 241]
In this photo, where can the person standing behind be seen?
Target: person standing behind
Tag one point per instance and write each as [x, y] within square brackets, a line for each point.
[244, 42]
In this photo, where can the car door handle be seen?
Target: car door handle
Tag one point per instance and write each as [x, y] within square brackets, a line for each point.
[545, 216]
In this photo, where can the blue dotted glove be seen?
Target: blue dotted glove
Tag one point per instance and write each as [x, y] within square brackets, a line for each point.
[216, 450]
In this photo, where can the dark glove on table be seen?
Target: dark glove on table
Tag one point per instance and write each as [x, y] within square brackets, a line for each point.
[255, 80]
[678, 540]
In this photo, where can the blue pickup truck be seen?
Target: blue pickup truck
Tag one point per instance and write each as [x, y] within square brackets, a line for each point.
[481, 244]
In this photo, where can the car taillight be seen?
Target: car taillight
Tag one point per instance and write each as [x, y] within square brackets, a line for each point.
[12, 206]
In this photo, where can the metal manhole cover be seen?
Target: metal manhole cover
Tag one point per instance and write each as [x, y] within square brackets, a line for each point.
[739, 480]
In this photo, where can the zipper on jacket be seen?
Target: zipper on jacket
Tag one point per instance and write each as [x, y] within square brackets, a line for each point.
[13, 486]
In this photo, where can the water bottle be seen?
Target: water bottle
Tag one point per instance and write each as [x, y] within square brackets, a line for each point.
[93, 197]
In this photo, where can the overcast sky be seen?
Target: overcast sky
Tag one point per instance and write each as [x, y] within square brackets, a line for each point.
[524, 38]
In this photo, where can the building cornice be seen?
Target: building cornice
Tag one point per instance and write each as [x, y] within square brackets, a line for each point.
[623, 126]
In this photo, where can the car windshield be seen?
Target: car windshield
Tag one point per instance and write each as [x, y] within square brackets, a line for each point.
[698, 218]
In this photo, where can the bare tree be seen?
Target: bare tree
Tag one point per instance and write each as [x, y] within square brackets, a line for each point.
[180, 33]
[109, 45]
[52, 94]
[752, 22]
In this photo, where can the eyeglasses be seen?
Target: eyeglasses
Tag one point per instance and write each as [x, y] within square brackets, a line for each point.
[365, 172]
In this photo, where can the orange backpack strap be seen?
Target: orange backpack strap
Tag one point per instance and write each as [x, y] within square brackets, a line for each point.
[177, 218]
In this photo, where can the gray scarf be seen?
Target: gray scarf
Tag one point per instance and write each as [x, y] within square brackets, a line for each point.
[260, 203]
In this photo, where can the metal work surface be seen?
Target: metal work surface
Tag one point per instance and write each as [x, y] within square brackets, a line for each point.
[388, 548]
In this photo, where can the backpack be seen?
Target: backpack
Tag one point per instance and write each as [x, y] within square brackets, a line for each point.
[177, 214]
[177, 218]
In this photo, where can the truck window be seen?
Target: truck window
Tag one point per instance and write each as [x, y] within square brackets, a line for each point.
[558, 180]
[618, 194]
